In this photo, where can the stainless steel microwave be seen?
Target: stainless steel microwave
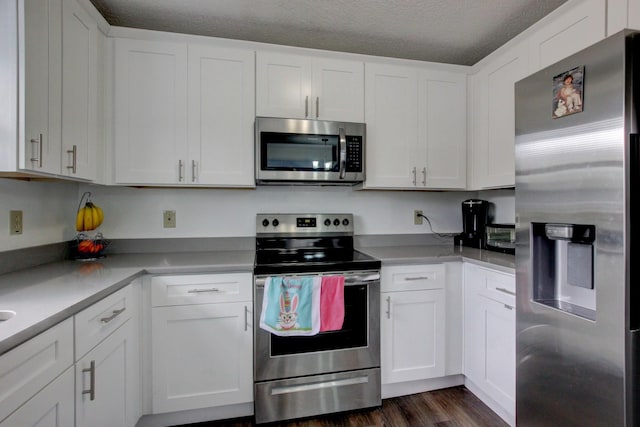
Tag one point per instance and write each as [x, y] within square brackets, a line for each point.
[296, 151]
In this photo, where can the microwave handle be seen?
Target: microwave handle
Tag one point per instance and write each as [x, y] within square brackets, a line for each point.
[343, 153]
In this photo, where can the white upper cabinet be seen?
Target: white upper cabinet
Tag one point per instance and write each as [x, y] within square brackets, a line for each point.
[577, 28]
[392, 126]
[416, 128]
[492, 123]
[491, 95]
[51, 48]
[221, 107]
[79, 91]
[622, 14]
[294, 86]
[442, 131]
[150, 113]
[40, 37]
[183, 114]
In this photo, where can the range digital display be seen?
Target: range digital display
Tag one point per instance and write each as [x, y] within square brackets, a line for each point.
[306, 222]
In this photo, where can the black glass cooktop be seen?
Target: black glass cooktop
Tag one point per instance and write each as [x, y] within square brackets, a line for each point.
[310, 254]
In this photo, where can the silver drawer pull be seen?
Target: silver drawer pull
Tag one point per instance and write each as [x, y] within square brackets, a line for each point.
[92, 381]
[409, 279]
[319, 385]
[508, 307]
[388, 307]
[200, 291]
[505, 291]
[114, 314]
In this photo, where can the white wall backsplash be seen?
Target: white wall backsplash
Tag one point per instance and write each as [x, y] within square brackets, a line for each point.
[137, 212]
[505, 204]
[48, 212]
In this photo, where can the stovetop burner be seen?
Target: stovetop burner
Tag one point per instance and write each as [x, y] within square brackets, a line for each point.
[301, 243]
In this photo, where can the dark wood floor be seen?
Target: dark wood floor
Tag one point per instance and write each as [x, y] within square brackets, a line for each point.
[451, 407]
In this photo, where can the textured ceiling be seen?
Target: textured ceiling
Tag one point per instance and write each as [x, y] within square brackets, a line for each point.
[450, 31]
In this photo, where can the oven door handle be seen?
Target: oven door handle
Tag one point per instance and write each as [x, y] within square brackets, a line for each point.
[343, 152]
[349, 279]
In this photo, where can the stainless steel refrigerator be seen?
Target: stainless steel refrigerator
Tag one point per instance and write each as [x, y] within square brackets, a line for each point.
[577, 240]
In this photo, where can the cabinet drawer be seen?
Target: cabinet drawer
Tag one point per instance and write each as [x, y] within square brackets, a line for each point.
[412, 277]
[200, 289]
[26, 369]
[98, 321]
[491, 283]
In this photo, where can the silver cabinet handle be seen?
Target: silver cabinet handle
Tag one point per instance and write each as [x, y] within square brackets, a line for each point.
[74, 157]
[246, 318]
[180, 168]
[193, 170]
[39, 158]
[508, 307]
[92, 381]
[306, 106]
[505, 291]
[343, 152]
[114, 314]
[200, 291]
[409, 279]
[317, 107]
[424, 176]
[414, 176]
[388, 307]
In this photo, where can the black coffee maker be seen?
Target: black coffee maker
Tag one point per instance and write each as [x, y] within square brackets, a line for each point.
[475, 216]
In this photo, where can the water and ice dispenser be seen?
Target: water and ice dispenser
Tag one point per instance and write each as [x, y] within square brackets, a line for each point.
[562, 267]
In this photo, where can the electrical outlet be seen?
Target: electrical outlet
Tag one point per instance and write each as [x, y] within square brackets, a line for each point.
[417, 218]
[15, 222]
[169, 219]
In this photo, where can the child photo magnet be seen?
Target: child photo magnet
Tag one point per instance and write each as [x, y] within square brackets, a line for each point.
[568, 92]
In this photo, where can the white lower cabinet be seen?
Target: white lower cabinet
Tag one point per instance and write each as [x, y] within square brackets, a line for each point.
[107, 389]
[490, 339]
[26, 376]
[202, 350]
[412, 323]
[51, 407]
[106, 393]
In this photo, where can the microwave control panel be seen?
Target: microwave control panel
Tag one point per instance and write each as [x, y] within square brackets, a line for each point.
[354, 154]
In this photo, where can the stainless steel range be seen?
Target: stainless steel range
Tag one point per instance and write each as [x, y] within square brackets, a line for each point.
[300, 376]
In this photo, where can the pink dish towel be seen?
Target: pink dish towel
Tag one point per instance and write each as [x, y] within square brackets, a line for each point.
[331, 303]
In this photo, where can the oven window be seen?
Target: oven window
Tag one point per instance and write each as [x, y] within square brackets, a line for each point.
[282, 151]
[353, 334]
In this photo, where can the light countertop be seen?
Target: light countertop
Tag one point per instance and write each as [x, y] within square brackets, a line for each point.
[45, 295]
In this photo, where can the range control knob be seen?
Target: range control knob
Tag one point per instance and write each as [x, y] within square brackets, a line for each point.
[345, 222]
[265, 222]
[336, 222]
[275, 222]
[327, 222]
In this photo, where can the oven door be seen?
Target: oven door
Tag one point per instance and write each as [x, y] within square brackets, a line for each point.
[355, 346]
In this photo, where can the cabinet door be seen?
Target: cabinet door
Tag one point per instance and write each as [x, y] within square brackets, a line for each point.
[442, 129]
[150, 114]
[202, 356]
[391, 114]
[51, 407]
[41, 143]
[221, 116]
[338, 90]
[80, 92]
[283, 85]
[109, 371]
[569, 32]
[412, 335]
[500, 351]
[491, 152]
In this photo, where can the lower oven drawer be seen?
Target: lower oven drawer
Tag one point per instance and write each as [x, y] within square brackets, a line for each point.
[318, 394]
